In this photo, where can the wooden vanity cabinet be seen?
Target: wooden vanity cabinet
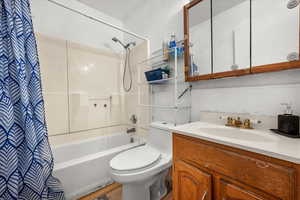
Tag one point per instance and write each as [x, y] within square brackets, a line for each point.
[231, 191]
[208, 171]
[192, 183]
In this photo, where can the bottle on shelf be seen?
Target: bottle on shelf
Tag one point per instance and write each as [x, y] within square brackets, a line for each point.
[172, 44]
[193, 68]
[165, 49]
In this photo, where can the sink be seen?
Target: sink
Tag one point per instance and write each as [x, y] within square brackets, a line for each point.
[238, 134]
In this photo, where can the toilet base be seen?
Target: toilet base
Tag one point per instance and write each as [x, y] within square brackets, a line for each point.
[138, 190]
[135, 192]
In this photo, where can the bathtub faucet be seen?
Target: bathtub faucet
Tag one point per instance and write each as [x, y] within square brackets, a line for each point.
[133, 119]
[131, 130]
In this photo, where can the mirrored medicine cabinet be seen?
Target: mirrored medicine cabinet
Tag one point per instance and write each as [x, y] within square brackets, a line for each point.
[226, 38]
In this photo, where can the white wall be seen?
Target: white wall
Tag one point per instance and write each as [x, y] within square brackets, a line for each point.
[157, 20]
[55, 21]
[254, 94]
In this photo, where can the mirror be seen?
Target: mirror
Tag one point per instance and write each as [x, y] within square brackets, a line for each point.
[240, 37]
[199, 26]
[275, 35]
[231, 35]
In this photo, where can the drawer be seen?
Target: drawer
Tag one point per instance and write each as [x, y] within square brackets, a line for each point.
[263, 175]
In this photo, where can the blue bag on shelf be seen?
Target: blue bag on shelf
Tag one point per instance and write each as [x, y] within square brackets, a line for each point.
[154, 75]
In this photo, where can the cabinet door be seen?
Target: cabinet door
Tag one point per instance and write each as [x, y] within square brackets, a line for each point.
[230, 191]
[191, 183]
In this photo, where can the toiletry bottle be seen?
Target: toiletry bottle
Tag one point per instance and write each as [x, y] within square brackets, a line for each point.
[166, 70]
[165, 51]
[172, 45]
[172, 41]
[194, 67]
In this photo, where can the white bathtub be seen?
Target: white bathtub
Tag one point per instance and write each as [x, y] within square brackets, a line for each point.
[83, 166]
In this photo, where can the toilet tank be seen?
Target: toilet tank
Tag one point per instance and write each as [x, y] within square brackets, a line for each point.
[160, 136]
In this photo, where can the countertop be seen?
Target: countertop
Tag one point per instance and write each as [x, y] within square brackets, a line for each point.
[259, 141]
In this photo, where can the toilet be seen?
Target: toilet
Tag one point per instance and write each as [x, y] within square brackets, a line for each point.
[139, 168]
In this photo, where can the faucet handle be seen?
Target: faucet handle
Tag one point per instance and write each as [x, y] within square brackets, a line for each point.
[255, 121]
[230, 121]
[247, 124]
[223, 117]
[228, 118]
[237, 122]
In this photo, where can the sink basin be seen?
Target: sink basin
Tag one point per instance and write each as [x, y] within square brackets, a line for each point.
[238, 134]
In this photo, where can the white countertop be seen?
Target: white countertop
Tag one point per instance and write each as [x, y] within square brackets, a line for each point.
[258, 141]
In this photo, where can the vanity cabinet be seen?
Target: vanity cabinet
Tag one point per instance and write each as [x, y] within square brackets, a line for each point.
[231, 191]
[192, 183]
[205, 170]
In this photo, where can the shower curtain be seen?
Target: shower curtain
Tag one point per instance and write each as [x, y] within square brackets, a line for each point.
[26, 161]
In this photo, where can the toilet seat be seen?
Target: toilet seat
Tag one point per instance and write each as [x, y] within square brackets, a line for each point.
[135, 159]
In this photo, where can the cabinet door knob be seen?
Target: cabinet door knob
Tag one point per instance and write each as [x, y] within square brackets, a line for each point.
[204, 195]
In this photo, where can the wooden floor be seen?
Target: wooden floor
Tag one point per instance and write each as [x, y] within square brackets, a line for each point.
[112, 192]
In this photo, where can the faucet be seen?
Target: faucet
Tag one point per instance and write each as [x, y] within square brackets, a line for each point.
[130, 130]
[238, 123]
[234, 122]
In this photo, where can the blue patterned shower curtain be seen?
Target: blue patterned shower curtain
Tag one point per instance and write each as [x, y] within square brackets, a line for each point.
[26, 160]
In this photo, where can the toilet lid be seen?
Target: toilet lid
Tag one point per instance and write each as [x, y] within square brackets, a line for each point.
[135, 158]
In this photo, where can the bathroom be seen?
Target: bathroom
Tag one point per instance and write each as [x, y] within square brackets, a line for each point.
[150, 100]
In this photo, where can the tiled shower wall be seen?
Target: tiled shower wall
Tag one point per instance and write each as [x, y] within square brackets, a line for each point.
[139, 90]
[81, 86]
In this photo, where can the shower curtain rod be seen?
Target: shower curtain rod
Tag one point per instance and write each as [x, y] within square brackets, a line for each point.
[98, 20]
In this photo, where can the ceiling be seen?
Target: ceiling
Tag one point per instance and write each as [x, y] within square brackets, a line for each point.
[119, 9]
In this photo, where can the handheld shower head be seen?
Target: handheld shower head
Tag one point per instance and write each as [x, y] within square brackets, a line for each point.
[292, 4]
[127, 66]
[124, 46]
[130, 44]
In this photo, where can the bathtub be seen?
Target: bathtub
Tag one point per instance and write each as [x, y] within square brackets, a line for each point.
[83, 166]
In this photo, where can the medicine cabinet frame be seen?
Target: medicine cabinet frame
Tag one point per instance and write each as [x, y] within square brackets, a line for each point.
[234, 73]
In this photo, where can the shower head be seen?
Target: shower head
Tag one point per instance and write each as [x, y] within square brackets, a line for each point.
[293, 4]
[124, 46]
[115, 39]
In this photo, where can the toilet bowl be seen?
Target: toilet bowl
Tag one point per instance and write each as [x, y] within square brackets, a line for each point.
[138, 168]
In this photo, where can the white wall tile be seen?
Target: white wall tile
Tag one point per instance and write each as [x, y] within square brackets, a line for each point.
[93, 79]
[53, 64]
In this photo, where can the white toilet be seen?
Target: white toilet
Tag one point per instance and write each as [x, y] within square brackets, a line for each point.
[138, 168]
